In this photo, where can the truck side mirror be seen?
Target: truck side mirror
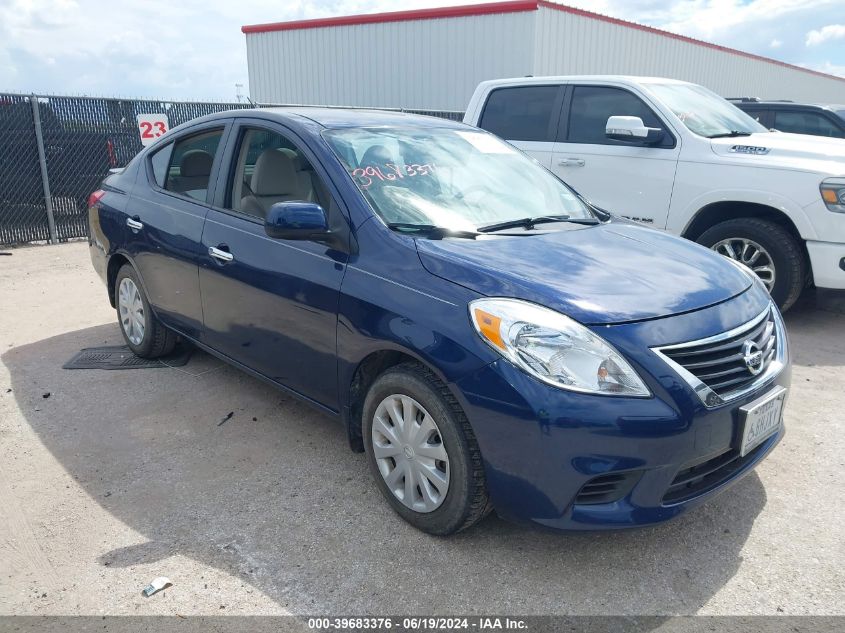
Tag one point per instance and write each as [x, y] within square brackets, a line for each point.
[631, 129]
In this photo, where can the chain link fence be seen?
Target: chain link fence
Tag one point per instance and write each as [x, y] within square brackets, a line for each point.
[55, 150]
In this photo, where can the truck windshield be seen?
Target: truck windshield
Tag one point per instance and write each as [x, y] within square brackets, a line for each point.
[458, 179]
[705, 113]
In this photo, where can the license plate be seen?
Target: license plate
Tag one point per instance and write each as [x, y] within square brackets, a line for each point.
[761, 419]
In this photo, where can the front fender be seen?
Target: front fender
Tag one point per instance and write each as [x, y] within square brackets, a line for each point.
[680, 222]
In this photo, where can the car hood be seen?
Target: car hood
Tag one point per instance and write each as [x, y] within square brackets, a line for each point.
[610, 273]
[780, 148]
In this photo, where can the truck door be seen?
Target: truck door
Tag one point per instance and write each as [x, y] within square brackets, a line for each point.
[634, 181]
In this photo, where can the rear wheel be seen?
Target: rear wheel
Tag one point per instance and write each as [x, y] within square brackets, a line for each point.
[141, 330]
[422, 451]
[768, 249]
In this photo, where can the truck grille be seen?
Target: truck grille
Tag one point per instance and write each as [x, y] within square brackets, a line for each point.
[727, 365]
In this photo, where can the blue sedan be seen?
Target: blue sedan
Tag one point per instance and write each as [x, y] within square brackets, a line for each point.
[488, 337]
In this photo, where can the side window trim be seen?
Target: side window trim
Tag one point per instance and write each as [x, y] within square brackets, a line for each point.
[563, 124]
[224, 125]
[668, 129]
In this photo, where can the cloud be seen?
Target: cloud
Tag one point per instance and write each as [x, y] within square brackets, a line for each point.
[765, 27]
[194, 49]
[191, 49]
[829, 32]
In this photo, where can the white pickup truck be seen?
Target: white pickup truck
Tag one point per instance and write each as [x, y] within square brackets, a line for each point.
[678, 157]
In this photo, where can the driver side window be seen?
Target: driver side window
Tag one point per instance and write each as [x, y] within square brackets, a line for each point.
[592, 106]
[271, 169]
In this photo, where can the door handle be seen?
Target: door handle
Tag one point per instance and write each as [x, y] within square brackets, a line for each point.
[571, 162]
[223, 256]
[134, 224]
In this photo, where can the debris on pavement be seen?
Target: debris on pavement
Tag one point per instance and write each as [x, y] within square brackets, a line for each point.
[45, 395]
[226, 419]
[156, 585]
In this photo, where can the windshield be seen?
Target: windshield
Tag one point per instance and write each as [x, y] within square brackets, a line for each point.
[459, 179]
[705, 113]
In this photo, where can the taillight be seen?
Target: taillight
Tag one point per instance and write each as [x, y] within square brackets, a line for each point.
[95, 197]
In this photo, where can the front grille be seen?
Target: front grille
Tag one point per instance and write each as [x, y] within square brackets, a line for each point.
[721, 363]
[607, 488]
[694, 480]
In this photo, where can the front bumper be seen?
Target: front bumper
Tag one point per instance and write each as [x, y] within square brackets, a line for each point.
[541, 445]
[828, 262]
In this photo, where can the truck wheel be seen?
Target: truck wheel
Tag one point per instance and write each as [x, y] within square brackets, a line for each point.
[422, 451]
[766, 248]
[141, 330]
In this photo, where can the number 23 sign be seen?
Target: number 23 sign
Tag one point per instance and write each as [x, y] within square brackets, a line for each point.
[151, 126]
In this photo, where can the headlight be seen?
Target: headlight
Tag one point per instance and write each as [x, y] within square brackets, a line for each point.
[833, 194]
[554, 348]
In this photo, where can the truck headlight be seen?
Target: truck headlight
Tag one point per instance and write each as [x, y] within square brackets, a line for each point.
[833, 194]
[554, 348]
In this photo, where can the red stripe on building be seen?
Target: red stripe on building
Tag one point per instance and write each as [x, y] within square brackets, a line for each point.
[398, 16]
[515, 6]
[675, 36]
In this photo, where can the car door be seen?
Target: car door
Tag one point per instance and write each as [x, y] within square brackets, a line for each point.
[165, 217]
[271, 304]
[525, 116]
[632, 180]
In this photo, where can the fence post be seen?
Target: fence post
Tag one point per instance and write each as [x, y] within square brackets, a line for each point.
[42, 159]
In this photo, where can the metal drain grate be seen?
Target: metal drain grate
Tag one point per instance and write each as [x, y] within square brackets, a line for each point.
[120, 357]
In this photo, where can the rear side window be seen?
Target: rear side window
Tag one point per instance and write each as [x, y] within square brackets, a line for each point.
[521, 114]
[189, 168]
[160, 162]
[592, 106]
[806, 123]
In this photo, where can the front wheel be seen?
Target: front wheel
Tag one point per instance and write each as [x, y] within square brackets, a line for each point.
[766, 248]
[422, 451]
[141, 330]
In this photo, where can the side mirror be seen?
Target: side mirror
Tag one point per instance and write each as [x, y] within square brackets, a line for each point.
[631, 129]
[296, 221]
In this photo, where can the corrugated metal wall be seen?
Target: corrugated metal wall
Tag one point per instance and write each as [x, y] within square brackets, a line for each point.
[571, 44]
[432, 64]
[436, 63]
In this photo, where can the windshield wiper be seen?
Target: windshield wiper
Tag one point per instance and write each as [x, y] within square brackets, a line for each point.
[430, 230]
[731, 134]
[529, 223]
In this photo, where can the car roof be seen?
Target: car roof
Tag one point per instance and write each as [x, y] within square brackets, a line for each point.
[338, 117]
[787, 104]
[621, 79]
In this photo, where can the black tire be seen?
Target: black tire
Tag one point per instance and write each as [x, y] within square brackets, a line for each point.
[786, 253]
[157, 340]
[466, 501]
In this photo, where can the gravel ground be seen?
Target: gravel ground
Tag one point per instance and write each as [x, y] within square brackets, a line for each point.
[118, 477]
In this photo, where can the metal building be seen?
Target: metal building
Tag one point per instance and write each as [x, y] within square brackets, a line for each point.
[434, 58]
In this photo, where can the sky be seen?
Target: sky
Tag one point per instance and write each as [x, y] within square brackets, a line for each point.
[194, 49]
